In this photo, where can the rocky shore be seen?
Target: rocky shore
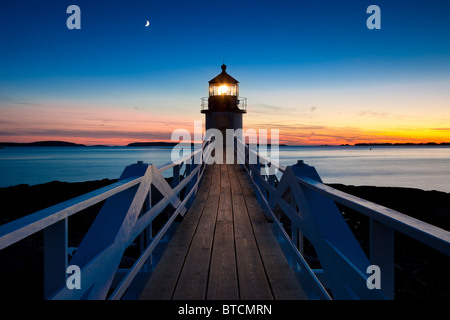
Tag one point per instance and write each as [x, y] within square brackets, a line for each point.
[420, 272]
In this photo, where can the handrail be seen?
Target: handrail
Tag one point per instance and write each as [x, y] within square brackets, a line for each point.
[23, 227]
[171, 164]
[16, 230]
[309, 205]
[133, 187]
[433, 236]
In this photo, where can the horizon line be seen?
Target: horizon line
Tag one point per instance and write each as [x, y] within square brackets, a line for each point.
[428, 143]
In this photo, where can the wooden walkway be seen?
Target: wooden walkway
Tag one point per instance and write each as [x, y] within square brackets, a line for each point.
[224, 249]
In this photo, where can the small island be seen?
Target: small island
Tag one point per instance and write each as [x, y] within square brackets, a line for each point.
[152, 144]
[41, 144]
[370, 144]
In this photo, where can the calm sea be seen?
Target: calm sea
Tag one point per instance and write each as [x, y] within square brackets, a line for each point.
[425, 168]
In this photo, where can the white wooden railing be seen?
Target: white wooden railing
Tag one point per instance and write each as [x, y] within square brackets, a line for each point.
[126, 215]
[298, 192]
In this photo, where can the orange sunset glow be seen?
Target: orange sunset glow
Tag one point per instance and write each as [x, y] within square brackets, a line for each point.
[383, 113]
[331, 123]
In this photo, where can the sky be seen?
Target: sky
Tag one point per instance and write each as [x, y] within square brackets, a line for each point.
[311, 69]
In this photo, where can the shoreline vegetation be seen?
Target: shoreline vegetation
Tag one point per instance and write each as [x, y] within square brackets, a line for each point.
[419, 269]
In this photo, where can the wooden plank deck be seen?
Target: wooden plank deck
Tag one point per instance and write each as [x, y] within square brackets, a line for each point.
[224, 249]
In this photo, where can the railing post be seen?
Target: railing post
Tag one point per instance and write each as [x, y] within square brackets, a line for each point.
[382, 254]
[257, 177]
[247, 156]
[297, 235]
[147, 235]
[55, 257]
[189, 168]
[176, 176]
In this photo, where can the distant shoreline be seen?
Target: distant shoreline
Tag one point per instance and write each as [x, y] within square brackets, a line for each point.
[152, 144]
[172, 144]
[396, 144]
[41, 144]
[71, 144]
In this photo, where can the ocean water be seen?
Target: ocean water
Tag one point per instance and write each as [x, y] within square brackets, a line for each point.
[35, 165]
[423, 167]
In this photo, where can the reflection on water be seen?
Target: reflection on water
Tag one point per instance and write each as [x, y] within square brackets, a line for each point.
[425, 168]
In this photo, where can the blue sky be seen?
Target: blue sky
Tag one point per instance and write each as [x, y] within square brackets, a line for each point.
[280, 51]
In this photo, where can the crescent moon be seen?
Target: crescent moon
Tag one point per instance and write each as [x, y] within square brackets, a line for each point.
[147, 24]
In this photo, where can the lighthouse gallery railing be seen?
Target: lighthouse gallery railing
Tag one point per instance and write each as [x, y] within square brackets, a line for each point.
[241, 103]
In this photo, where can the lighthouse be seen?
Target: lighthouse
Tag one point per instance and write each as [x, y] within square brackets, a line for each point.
[224, 108]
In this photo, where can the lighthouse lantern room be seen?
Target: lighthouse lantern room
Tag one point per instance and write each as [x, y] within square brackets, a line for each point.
[224, 108]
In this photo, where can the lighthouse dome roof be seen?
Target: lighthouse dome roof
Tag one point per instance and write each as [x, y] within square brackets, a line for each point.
[223, 77]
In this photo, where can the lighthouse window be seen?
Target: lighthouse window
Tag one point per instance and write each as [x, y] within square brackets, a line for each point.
[223, 90]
